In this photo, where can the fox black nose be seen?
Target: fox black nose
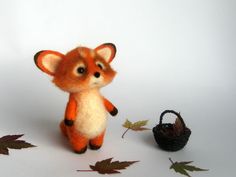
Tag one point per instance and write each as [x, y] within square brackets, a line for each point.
[97, 74]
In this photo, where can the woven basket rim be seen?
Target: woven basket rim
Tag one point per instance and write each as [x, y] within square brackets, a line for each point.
[157, 128]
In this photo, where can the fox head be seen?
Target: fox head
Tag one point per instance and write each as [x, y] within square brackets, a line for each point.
[80, 69]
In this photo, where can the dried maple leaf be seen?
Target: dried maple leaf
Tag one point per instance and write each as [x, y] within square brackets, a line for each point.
[178, 127]
[108, 167]
[136, 126]
[183, 167]
[11, 142]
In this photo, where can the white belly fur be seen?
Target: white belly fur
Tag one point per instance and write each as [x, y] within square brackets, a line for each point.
[91, 118]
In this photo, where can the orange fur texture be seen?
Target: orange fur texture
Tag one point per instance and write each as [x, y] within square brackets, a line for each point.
[82, 72]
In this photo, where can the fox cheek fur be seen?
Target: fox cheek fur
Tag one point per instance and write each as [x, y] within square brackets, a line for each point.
[82, 72]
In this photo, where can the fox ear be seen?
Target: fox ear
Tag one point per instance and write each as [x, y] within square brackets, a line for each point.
[106, 51]
[48, 60]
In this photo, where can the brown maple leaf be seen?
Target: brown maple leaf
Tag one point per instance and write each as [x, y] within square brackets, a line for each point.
[108, 167]
[178, 127]
[11, 142]
[136, 126]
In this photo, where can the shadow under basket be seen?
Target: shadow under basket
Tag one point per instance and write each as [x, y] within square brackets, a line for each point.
[169, 141]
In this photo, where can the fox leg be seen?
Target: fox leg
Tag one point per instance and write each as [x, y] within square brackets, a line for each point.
[63, 128]
[97, 142]
[77, 140]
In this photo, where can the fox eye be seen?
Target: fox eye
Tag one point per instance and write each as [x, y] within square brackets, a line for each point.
[81, 70]
[100, 65]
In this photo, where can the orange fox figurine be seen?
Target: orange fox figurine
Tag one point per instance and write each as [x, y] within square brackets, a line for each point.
[82, 72]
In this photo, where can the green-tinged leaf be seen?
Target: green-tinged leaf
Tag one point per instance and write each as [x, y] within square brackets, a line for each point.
[141, 129]
[108, 167]
[127, 124]
[11, 142]
[187, 162]
[193, 168]
[183, 167]
[139, 124]
[136, 126]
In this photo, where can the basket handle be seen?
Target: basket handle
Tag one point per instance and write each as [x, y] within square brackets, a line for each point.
[173, 112]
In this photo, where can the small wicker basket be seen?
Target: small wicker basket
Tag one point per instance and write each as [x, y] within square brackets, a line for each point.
[169, 141]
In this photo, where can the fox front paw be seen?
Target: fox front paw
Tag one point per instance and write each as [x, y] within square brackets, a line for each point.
[68, 122]
[114, 111]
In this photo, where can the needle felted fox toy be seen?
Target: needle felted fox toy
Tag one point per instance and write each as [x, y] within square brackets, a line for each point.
[82, 72]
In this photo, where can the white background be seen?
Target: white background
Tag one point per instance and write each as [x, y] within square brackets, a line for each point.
[171, 54]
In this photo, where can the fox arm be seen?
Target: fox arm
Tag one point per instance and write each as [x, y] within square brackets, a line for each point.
[70, 113]
[110, 107]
